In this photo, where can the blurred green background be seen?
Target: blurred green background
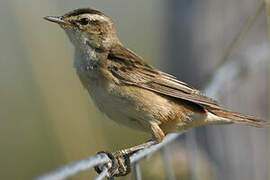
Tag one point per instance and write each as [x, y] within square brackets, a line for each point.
[47, 118]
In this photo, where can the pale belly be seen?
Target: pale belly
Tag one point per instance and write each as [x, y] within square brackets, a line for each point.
[123, 107]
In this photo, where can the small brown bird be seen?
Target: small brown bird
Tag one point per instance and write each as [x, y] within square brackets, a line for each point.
[131, 92]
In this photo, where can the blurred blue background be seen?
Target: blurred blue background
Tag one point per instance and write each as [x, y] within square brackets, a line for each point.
[47, 118]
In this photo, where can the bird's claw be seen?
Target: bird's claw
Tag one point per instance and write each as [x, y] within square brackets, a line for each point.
[119, 165]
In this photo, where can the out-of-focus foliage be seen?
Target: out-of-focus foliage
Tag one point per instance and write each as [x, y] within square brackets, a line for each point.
[47, 118]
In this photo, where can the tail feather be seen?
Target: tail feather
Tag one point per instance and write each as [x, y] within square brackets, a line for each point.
[239, 118]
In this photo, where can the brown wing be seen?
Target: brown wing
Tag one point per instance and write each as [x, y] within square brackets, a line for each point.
[132, 70]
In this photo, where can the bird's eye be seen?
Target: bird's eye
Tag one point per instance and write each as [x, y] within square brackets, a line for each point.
[84, 21]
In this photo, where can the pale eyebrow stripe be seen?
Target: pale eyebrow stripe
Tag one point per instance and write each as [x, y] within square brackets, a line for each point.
[96, 17]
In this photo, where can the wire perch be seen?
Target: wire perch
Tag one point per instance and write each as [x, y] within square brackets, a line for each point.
[83, 165]
[227, 73]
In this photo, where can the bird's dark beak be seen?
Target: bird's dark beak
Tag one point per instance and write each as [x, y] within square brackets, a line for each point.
[58, 20]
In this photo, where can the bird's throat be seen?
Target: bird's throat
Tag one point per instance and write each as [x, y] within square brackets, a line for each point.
[86, 59]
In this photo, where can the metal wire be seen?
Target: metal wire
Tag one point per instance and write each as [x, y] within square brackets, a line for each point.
[228, 71]
[146, 152]
[103, 174]
[75, 167]
[137, 170]
[167, 163]
[88, 163]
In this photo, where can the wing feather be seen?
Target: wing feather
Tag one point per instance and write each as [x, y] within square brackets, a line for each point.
[132, 70]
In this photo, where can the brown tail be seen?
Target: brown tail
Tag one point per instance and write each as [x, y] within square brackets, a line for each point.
[239, 118]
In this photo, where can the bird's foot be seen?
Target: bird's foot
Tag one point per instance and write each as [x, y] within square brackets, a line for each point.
[119, 165]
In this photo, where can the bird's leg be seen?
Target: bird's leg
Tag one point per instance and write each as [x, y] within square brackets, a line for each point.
[158, 135]
[124, 167]
[157, 132]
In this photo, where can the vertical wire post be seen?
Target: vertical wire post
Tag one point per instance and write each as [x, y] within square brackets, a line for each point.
[167, 163]
[137, 170]
[267, 12]
[102, 175]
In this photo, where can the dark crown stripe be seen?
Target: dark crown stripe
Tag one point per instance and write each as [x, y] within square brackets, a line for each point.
[83, 11]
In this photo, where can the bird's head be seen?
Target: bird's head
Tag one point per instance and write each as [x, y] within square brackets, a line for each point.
[87, 27]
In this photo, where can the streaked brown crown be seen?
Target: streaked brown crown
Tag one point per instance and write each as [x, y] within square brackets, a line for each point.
[80, 11]
[88, 19]
[88, 25]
